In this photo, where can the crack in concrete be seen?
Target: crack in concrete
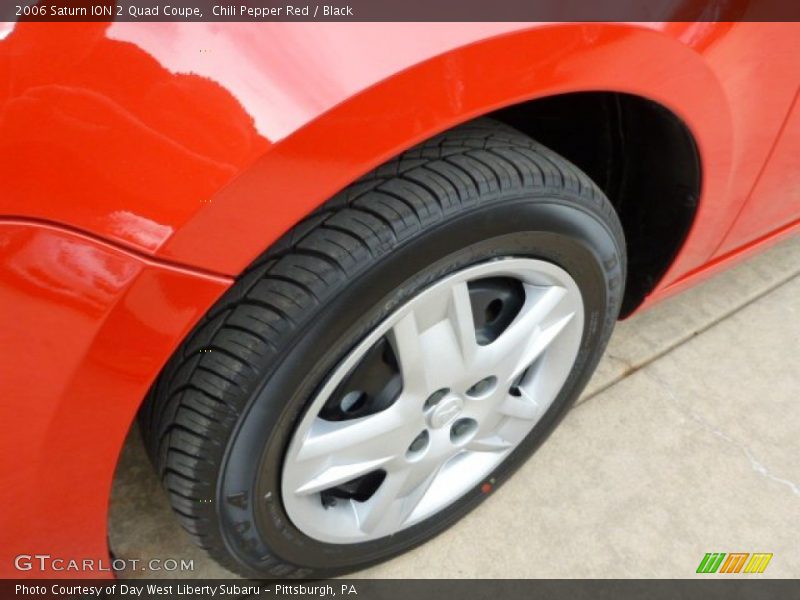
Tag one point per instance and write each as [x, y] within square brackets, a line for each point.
[756, 464]
[631, 368]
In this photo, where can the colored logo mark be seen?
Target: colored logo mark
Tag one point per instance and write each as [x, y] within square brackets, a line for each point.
[735, 562]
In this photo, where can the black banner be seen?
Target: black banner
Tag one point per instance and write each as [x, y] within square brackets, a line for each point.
[400, 10]
[741, 587]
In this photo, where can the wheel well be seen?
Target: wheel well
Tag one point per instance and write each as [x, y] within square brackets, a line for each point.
[640, 154]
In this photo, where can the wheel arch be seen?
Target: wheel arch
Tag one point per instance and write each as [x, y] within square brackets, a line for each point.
[309, 166]
[641, 155]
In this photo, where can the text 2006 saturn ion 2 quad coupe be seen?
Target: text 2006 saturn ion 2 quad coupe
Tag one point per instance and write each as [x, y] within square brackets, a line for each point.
[347, 274]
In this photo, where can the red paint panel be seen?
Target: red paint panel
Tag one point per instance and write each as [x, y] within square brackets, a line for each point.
[127, 130]
[775, 200]
[95, 133]
[203, 142]
[84, 329]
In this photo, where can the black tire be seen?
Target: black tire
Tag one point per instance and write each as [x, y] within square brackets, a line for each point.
[218, 420]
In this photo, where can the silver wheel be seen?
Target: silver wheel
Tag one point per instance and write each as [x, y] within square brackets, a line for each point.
[462, 404]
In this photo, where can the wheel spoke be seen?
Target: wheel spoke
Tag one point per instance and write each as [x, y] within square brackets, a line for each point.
[405, 340]
[339, 474]
[538, 344]
[461, 320]
[446, 348]
[384, 505]
[368, 436]
[396, 498]
[491, 443]
[520, 407]
[526, 338]
[336, 452]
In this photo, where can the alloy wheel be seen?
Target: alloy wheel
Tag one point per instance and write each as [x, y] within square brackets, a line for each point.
[432, 400]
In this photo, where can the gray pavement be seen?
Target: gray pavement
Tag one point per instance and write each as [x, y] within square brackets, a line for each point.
[686, 441]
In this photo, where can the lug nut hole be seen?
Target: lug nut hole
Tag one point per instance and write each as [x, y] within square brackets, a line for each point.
[483, 388]
[435, 398]
[462, 430]
[418, 446]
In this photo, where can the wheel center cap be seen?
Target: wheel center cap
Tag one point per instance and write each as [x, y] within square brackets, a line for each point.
[445, 411]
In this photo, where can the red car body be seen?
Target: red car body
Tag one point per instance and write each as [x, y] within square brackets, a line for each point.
[143, 166]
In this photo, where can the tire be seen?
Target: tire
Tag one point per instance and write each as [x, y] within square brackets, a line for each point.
[221, 423]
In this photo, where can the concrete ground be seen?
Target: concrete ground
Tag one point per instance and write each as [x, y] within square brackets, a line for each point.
[686, 442]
